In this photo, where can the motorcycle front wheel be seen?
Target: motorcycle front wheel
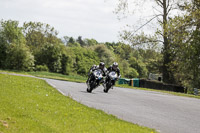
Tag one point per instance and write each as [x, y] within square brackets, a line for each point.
[108, 85]
[92, 85]
[105, 90]
[89, 90]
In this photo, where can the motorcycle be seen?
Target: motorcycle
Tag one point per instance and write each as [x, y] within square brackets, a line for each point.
[95, 80]
[110, 81]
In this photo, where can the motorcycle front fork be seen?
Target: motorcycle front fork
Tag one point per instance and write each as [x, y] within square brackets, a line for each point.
[104, 85]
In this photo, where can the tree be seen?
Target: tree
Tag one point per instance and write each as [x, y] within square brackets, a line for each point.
[67, 61]
[81, 42]
[3, 49]
[152, 60]
[19, 57]
[14, 53]
[162, 16]
[11, 32]
[50, 55]
[84, 59]
[75, 44]
[186, 48]
[66, 40]
[132, 73]
[126, 70]
[37, 34]
[90, 42]
[71, 40]
[72, 43]
[104, 54]
[139, 66]
[123, 50]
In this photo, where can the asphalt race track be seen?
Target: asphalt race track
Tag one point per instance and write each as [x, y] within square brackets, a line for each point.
[164, 112]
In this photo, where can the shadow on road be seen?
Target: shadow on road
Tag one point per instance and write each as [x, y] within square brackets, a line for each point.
[88, 92]
[94, 92]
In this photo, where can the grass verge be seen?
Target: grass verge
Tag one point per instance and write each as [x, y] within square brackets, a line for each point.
[73, 78]
[78, 78]
[31, 105]
[167, 92]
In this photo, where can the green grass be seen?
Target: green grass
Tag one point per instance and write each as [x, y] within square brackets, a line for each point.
[31, 105]
[74, 78]
[168, 92]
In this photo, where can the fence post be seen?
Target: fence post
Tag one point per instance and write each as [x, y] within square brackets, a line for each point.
[131, 82]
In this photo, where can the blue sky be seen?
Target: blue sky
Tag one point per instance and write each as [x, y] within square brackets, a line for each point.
[86, 18]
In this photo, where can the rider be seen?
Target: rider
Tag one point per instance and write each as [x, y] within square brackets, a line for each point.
[94, 67]
[114, 67]
[102, 67]
[90, 71]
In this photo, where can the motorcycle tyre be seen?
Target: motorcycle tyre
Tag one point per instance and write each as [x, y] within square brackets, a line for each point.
[89, 90]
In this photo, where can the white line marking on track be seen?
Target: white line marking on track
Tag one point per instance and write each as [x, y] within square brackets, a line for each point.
[57, 88]
[61, 92]
[52, 85]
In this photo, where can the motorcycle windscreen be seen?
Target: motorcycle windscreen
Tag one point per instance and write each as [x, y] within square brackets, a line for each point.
[113, 75]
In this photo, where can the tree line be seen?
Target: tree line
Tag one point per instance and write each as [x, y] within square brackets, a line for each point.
[35, 46]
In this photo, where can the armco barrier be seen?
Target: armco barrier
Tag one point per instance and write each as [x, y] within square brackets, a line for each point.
[123, 81]
[160, 86]
[136, 82]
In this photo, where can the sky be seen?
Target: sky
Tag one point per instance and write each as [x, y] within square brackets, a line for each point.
[87, 18]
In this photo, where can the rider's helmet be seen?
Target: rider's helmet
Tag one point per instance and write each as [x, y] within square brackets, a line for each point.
[101, 65]
[94, 66]
[115, 66]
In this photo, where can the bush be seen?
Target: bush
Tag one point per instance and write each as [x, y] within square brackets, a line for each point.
[132, 73]
[50, 55]
[41, 68]
[139, 66]
[14, 54]
[19, 58]
[84, 59]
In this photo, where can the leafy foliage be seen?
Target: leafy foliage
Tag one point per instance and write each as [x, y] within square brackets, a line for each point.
[37, 34]
[14, 53]
[41, 68]
[50, 55]
[84, 59]
[104, 54]
[19, 58]
[184, 34]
